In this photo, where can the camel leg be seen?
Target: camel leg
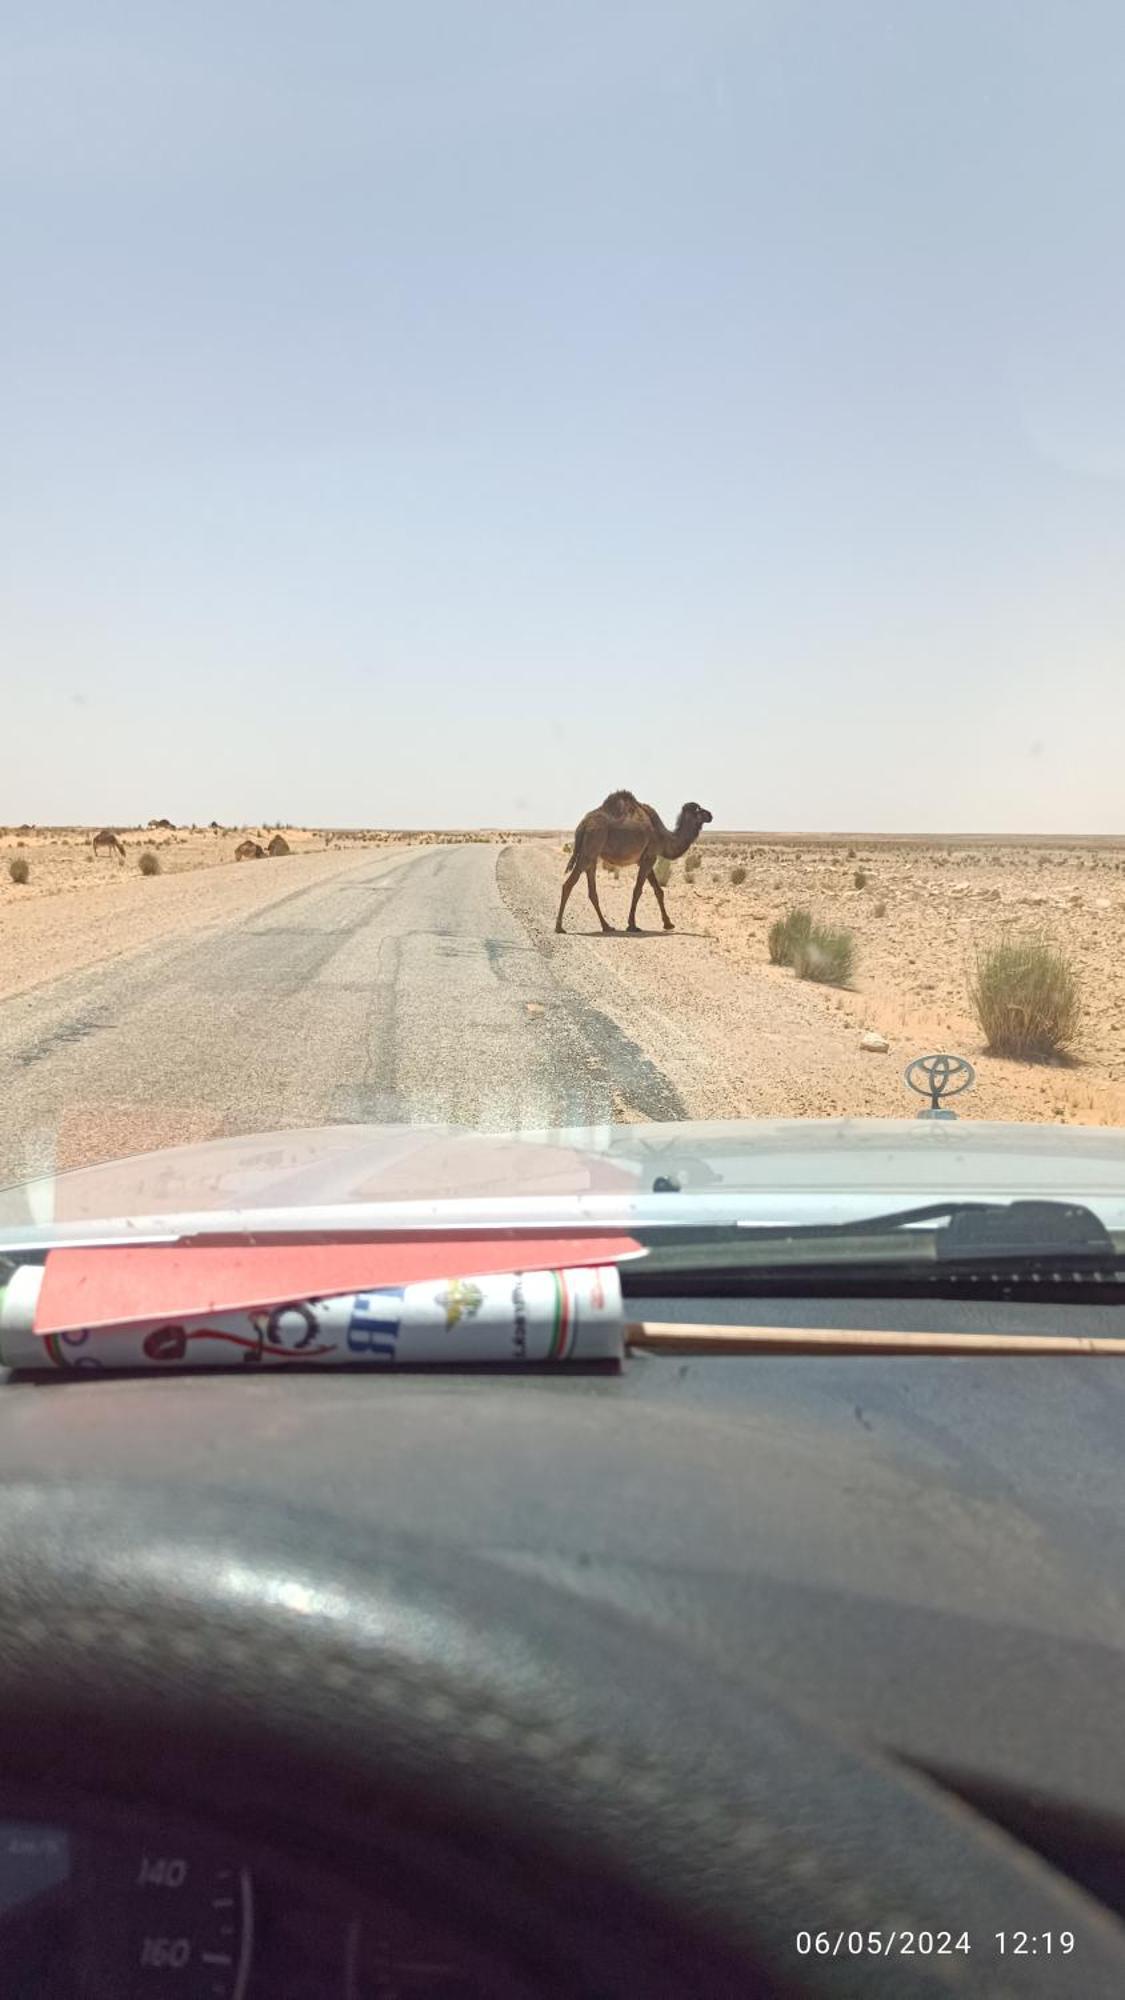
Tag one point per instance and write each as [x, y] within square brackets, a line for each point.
[592, 886]
[659, 894]
[643, 872]
[565, 897]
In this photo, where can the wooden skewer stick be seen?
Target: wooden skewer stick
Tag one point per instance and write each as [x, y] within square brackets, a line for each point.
[675, 1337]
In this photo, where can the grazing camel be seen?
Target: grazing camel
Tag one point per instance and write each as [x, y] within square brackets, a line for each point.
[249, 850]
[620, 831]
[108, 842]
[279, 845]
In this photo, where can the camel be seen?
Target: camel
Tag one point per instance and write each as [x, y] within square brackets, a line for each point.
[620, 831]
[279, 845]
[108, 841]
[249, 850]
[162, 822]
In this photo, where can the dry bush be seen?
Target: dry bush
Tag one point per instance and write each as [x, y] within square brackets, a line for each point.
[825, 955]
[787, 934]
[1026, 996]
[18, 869]
[737, 876]
[880, 910]
[148, 862]
[860, 878]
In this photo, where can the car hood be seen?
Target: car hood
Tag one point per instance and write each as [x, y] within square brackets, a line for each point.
[764, 1170]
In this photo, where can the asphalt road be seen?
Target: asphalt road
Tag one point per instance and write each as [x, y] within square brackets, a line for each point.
[401, 990]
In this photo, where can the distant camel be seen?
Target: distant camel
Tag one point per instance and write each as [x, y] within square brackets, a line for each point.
[162, 822]
[620, 831]
[249, 850]
[279, 845]
[108, 841]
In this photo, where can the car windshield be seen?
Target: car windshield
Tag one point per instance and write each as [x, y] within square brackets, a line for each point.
[562, 578]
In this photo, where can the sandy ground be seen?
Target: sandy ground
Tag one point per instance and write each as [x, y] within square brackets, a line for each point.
[769, 1045]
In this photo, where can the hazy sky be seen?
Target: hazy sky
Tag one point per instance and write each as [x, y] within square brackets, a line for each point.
[444, 412]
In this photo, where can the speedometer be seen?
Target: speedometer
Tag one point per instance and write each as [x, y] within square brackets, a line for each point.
[112, 1905]
[93, 1914]
[170, 1919]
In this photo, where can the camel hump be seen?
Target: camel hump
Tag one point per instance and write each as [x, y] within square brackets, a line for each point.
[620, 804]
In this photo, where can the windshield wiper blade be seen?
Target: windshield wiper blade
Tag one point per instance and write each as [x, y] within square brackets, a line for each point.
[1049, 1231]
[1035, 1229]
[1014, 1236]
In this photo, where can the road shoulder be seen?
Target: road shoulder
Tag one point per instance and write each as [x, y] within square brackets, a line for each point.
[731, 1043]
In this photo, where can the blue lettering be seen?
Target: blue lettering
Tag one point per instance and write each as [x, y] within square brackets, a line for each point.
[372, 1328]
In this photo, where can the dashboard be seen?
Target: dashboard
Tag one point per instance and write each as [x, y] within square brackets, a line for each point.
[372, 1688]
[101, 1906]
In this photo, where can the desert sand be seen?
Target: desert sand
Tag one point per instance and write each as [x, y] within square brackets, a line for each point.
[920, 918]
[769, 1045]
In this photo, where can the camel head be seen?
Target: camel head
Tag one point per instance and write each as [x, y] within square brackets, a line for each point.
[695, 816]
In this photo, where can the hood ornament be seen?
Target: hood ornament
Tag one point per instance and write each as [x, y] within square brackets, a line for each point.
[937, 1077]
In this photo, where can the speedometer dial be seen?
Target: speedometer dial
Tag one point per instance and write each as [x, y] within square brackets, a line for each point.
[167, 1918]
[128, 1918]
[120, 1907]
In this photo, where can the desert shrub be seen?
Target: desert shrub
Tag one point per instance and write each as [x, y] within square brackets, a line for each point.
[18, 869]
[860, 878]
[737, 875]
[1026, 996]
[691, 863]
[148, 862]
[851, 854]
[787, 934]
[828, 956]
[880, 910]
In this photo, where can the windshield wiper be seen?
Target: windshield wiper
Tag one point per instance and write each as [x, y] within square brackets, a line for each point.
[938, 1241]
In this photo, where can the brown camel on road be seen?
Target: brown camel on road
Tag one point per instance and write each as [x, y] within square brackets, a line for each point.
[108, 841]
[619, 832]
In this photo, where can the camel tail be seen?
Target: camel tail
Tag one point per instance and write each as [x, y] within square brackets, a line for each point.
[570, 859]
